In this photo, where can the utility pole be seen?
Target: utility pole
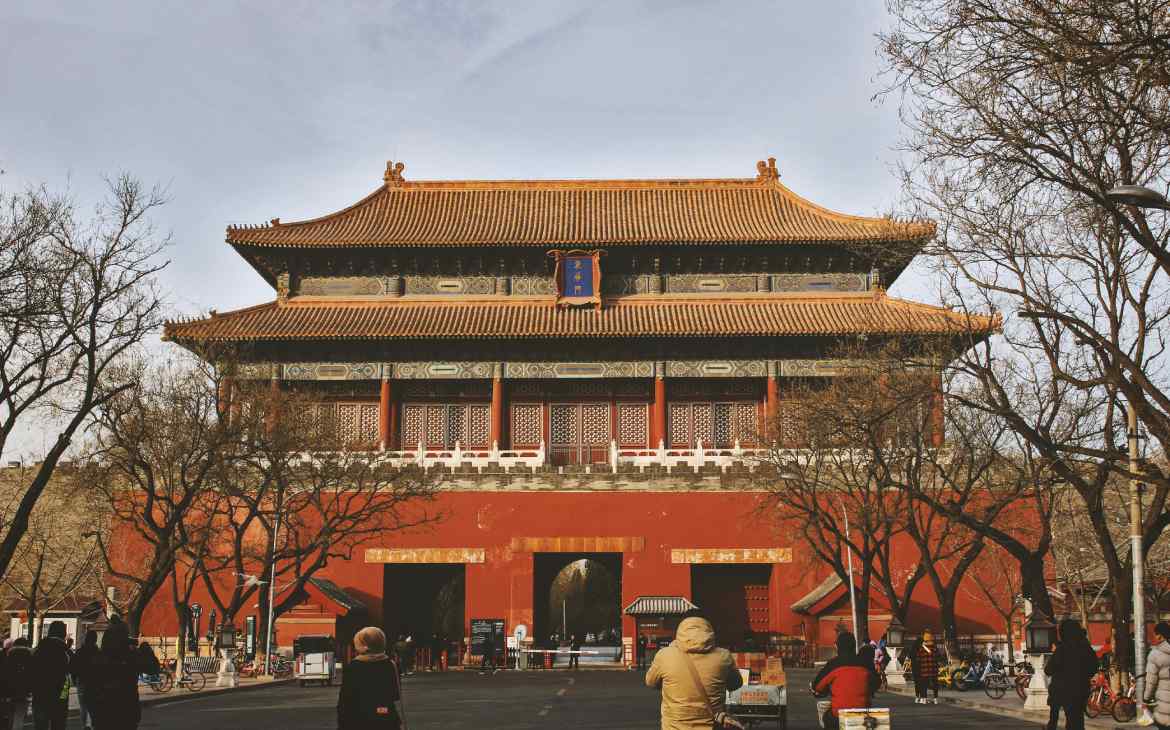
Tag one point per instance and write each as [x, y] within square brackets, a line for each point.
[1135, 542]
[271, 598]
[852, 594]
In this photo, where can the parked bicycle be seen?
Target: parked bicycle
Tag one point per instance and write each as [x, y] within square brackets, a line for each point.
[190, 681]
[1023, 677]
[1125, 706]
[1101, 696]
[160, 683]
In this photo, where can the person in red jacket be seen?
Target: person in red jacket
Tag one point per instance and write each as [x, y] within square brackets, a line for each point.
[848, 680]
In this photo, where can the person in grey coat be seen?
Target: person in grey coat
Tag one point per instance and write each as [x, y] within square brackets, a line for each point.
[1158, 677]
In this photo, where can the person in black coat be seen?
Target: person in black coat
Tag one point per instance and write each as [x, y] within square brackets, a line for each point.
[17, 681]
[370, 697]
[111, 682]
[79, 670]
[50, 679]
[1071, 667]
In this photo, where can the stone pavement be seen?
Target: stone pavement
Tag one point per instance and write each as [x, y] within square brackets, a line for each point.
[1009, 706]
[589, 699]
[150, 698]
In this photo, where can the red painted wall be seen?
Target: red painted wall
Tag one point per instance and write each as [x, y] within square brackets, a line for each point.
[502, 586]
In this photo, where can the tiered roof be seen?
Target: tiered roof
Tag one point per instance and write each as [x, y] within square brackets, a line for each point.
[760, 315]
[427, 213]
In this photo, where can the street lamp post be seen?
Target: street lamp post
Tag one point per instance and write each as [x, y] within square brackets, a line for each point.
[1141, 197]
[1039, 636]
[226, 643]
[895, 638]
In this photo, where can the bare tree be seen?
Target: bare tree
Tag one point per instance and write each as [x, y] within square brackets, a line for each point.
[295, 495]
[157, 446]
[994, 581]
[1021, 116]
[57, 559]
[76, 294]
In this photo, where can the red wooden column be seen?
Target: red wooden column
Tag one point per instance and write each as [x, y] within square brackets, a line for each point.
[658, 411]
[937, 417]
[496, 428]
[384, 413]
[273, 403]
[223, 399]
[771, 401]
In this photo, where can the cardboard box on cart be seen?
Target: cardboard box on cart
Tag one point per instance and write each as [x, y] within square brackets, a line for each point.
[774, 672]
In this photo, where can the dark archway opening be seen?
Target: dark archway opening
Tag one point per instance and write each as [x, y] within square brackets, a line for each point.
[422, 600]
[735, 598]
[578, 593]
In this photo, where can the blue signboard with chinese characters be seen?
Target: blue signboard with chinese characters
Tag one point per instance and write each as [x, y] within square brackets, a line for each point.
[578, 277]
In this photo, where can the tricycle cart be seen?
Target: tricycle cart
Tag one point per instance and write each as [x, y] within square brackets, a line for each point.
[314, 659]
[754, 704]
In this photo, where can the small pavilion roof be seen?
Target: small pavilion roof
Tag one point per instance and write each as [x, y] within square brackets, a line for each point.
[493, 317]
[425, 213]
[659, 606]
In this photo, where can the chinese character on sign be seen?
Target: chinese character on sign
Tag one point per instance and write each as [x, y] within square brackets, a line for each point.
[578, 277]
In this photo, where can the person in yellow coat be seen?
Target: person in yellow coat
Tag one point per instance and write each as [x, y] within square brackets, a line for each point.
[693, 676]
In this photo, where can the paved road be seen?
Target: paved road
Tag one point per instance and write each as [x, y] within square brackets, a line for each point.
[597, 700]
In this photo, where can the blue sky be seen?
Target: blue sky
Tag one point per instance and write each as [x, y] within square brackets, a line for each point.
[254, 110]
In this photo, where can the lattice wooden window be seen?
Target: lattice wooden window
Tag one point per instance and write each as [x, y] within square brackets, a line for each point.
[791, 427]
[595, 423]
[479, 419]
[527, 424]
[702, 424]
[436, 431]
[562, 426]
[343, 424]
[579, 433]
[442, 425]
[414, 417]
[633, 425]
[719, 425]
[680, 424]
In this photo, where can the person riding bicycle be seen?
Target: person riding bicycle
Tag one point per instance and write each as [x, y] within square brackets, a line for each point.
[848, 679]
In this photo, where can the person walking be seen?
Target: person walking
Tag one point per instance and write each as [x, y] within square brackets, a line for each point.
[17, 684]
[488, 659]
[111, 681]
[574, 652]
[1158, 677]
[1071, 667]
[435, 648]
[924, 667]
[50, 679]
[693, 677]
[848, 679]
[79, 669]
[643, 644]
[371, 694]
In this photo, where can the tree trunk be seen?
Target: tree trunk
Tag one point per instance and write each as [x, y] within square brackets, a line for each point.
[863, 606]
[950, 624]
[1033, 585]
[1121, 604]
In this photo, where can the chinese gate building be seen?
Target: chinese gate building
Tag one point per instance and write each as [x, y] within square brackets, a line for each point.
[586, 365]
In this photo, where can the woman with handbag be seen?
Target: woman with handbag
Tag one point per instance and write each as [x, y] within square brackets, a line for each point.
[694, 675]
[371, 696]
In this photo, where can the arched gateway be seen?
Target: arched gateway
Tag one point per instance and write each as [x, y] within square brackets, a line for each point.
[589, 367]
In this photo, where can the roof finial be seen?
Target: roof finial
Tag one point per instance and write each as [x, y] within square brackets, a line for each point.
[393, 174]
[767, 170]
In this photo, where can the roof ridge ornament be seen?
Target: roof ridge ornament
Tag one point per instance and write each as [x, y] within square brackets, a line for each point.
[766, 171]
[393, 175]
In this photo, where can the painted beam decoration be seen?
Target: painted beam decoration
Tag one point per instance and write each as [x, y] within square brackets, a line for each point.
[425, 555]
[578, 277]
[604, 544]
[688, 556]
